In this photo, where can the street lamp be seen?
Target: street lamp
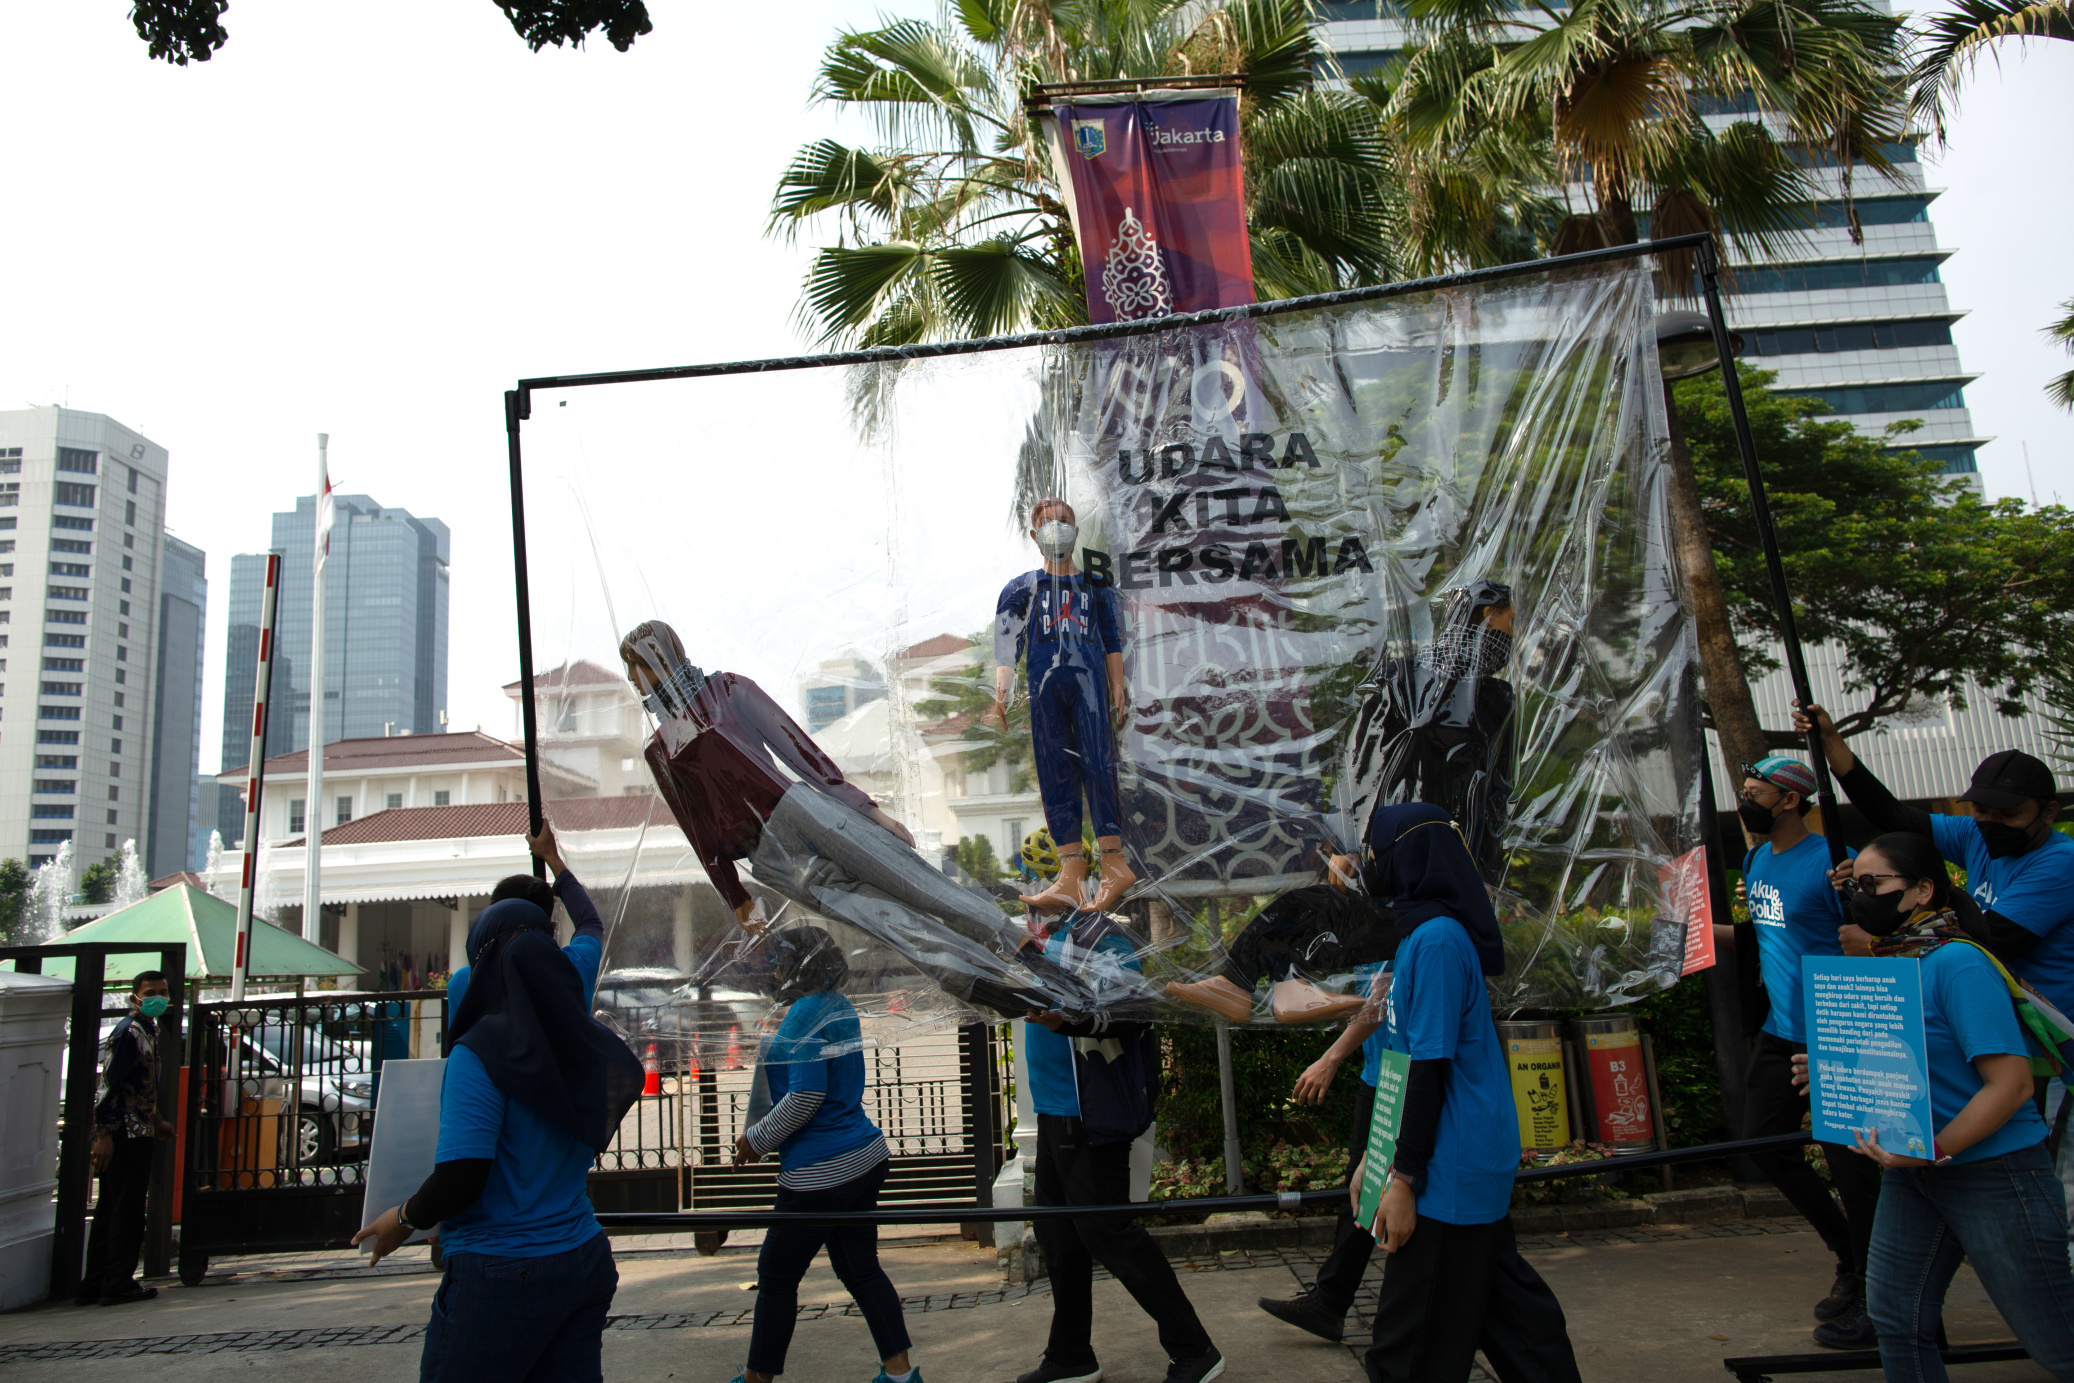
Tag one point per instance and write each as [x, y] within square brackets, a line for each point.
[1685, 344]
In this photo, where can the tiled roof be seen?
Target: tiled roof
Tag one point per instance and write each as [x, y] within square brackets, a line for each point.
[396, 751]
[935, 648]
[184, 876]
[582, 673]
[499, 819]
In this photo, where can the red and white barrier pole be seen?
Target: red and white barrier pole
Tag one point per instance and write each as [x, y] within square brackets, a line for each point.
[255, 767]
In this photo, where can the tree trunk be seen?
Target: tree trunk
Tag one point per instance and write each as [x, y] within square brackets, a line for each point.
[1728, 690]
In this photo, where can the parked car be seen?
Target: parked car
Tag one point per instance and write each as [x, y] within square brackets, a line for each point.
[686, 1024]
[334, 1096]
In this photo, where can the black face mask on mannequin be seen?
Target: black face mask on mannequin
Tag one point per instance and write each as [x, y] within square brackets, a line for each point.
[1757, 818]
[1881, 914]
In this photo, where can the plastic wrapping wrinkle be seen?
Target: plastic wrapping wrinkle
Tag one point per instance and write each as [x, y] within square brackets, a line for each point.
[1326, 558]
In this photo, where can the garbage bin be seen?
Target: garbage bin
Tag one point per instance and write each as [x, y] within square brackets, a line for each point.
[33, 1012]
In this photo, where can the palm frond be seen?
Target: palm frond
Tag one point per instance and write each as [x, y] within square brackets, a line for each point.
[848, 286]
[2060, 389]
[996, 286]
[829, 176]
[1952, 42]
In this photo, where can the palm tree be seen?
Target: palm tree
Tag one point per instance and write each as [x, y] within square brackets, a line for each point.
[1611, 97]
[2060, 389]
[952, 224]
[1949, 44]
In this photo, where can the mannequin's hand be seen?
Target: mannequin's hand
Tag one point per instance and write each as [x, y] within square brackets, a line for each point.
[995, 717]
[1339, 871]
[878, 814]
[750, 915]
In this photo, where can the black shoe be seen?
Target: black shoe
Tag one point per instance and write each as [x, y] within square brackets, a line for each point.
[1048, 1372]
[1845, 1293]
[1306, 1312]
[134, 1294]
[1200, 1369]
[1853, 1331]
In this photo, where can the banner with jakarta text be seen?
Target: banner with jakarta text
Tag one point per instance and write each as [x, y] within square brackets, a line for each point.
[1159, 204]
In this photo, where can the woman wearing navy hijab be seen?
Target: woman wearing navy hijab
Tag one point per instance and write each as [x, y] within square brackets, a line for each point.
[534, 1088]
[1454, 1281]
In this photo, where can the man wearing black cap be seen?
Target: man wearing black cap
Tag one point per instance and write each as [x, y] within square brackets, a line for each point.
[2019, 869]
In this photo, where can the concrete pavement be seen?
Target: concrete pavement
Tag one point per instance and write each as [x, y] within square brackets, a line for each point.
[1650, 1303]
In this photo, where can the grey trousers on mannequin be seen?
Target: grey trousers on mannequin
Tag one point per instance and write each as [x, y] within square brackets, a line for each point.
[836, 861]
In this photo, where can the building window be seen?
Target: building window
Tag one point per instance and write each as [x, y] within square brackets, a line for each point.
[67, 521]
[51, 811]
[49, 838]
[1819, 277]
[10, 460]
[442, 798]
[70, 569]
[345, 811]
[72, 545]
[295, 814]
[129, 511]
[65, 617]
[65, 785]
[114, 747]
[1914, 397]
[394, 801]
[1858, 336]
[65, 641]
[118, 723]
[10, 493]
[75, 459]
[78, 496]
[57, 737]
[58, 712]
[61, 688]
[56, 761]
[80, 593]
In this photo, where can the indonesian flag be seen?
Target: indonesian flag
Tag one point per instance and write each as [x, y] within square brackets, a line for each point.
[323, 525]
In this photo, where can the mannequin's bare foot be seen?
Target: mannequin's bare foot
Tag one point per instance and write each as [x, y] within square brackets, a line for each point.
[1294, 1001]
[1217, 994]
[1116, 876]
[1066, 892]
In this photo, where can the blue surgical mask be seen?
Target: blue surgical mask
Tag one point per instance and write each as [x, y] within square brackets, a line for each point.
[154, 1006]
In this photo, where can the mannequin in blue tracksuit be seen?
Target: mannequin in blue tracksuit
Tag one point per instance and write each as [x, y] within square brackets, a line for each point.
[1070, 630]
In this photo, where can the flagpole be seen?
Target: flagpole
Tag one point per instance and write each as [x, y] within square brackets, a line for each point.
[313, 815]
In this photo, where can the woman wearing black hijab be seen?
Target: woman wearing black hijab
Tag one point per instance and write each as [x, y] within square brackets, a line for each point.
[534, 1088]
[1454, 1282]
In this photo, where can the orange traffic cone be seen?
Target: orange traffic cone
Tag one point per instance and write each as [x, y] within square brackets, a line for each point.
[652, 1082]
[734, 1049]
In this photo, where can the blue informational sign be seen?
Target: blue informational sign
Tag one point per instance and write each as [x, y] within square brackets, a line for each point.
[1867, 1067]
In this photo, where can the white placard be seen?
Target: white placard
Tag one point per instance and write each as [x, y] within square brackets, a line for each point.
[406, 1138]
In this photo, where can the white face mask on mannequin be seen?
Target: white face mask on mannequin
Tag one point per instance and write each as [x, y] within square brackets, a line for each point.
[1056, 538]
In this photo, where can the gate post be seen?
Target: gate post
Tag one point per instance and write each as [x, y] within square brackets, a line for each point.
[982, 1114]
[75, 1146]
[158, 1229]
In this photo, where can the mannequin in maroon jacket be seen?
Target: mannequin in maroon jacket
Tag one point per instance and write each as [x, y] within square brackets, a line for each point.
[746, 782]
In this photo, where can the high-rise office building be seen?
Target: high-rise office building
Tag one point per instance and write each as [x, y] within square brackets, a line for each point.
[385, 646]
[176, 724]
[82, 517]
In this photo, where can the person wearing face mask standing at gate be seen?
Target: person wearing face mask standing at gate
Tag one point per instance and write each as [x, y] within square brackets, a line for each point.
[1796, 912]
[127, 1127]
[1985, 1195]
[1070, 629]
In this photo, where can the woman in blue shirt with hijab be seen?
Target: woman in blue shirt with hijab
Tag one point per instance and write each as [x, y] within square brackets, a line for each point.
[1987, 1194]
[831, 1158]
[1454, 1282]
[535, 1088]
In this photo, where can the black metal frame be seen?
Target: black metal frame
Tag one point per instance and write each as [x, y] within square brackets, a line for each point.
[82, 1074]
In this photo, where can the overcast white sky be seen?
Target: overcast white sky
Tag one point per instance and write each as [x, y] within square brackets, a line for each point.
[352, 223]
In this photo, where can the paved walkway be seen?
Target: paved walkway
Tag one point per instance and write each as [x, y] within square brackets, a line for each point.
[1661, 1302]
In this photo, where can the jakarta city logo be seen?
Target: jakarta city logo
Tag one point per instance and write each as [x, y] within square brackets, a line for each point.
[1088, 137]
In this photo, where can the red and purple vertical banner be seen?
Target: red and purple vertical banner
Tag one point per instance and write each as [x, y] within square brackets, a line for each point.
[1159, 204]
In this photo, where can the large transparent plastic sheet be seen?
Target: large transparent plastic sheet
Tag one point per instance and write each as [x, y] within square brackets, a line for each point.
[1410, 549]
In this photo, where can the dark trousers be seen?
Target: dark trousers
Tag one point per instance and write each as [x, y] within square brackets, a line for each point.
[117, 1238]
[1072, 1171]
[853, 1252]
[1772, 1105]
[1352, 1246]
[521, 1320]
[1455, 1289]
[1311, 930]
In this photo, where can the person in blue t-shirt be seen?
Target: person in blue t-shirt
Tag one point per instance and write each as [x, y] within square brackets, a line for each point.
[1069, 629]
[1093, 1080]
[1455, 1282]
[535, 1088]
[1796, 911]
[831, 1158]
[1986, 1193]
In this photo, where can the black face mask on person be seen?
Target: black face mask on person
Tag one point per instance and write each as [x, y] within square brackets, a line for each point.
[1757, 818]
[1881, 914]
[2004, 840]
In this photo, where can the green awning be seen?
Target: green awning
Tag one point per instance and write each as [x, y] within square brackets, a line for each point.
[209, 926]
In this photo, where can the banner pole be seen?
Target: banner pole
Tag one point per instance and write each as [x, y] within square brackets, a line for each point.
[1761, 512]
[255, 781]
[517, 406]
[313, 815]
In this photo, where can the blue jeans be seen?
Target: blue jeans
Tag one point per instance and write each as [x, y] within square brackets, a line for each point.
[2005, 1215]
[521, 1320]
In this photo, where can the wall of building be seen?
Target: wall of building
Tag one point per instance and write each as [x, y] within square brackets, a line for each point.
[176, 733]
[86, 518]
